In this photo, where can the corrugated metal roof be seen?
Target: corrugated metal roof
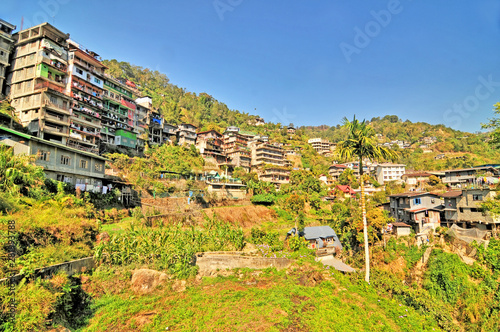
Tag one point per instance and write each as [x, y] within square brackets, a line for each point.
[316, 232]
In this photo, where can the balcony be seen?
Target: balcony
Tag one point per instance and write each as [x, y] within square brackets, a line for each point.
[79, 146]
[61, 120]
[85, 131]
[50, 86]
[57, 107]
[56, 65]
[86, 89]
[56, 130]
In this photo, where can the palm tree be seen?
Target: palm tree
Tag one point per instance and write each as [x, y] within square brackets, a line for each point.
[361, 143]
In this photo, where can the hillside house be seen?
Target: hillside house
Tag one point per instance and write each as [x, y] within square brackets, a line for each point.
[321, 237]
[469, 177]
[415, 180]
[418, 209]
[463, 207]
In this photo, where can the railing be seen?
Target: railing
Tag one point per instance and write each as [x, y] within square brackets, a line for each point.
[48, 85]
[57, 106]
[56, 118]
[53, 129]
[75, 145]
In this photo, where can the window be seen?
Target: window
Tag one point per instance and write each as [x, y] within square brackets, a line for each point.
[97, 81]
[477, 197]
[65, 160]
[98, 167]
[83, 164]
[474, 210]
[43, 155]
[461, 210]
[417, 201]
[79, 71]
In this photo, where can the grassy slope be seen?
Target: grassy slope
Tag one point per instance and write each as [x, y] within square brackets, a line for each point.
[303, 298]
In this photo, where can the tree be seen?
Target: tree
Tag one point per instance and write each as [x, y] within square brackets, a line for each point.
[495, 125]
[361, 143]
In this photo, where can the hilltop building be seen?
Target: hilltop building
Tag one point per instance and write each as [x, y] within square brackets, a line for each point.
[6, 46]
[85, 86]
[37, 81]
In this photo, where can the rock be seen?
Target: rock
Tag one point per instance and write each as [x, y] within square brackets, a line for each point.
[104, 236]
[145, 280]
[179, 286]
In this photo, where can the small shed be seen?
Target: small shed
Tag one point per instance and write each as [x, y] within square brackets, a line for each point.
[321, 237]
[401, 229]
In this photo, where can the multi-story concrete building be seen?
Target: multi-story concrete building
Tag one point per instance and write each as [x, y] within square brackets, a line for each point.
[463, 207]
[81, 169]
[336, 170]
[186, 134]
[460, 178]
[236, 149]
[210, 145]
[6, 47]
[37, 82]
[322, 146]
[389, 172]
[86, 80]
[269, 162]
[119, 113]
[417, 209]
[144, 106]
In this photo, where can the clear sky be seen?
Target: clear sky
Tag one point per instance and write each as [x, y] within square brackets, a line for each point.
[309, 62]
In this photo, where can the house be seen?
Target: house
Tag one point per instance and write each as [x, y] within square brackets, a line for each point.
[401, 229]
[415, 180]
[321, 237]
[81, 169]
[335, 170]
[469, 177]
[186, 134]
[346, 190]
[210, 144]
[389, 172]
[291, 130]
[418, 209]
[321, 146]
[463, 207]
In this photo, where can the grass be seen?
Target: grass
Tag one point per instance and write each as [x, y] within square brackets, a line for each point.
[300, 299]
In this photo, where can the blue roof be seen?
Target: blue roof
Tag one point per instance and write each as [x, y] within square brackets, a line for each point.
[317, 232]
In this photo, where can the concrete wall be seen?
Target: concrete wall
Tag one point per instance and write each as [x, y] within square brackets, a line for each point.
[213, 261]
[72, 267]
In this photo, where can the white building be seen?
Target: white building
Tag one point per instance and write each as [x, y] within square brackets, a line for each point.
[389, 172]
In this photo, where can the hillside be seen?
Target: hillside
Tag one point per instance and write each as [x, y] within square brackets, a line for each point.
[177, 105]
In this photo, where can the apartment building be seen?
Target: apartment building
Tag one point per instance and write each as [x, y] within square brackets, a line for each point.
[210, 145]
[322, 146]
[83, 170]
[37, 81]
[269, 162]
[463, 207]
[119, 113]
[6, 47]
[186, 134]
[461, 178]
[336, 170]
[389, 172]
[236, 149]
[144, 106]
[85, 86]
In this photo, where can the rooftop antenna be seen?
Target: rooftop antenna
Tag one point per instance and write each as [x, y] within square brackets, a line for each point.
[22, 22]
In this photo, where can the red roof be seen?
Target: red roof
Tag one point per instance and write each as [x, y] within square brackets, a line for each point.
[400, 224]
[128, 104]
[346, 189]
[338, 166]
[452, 193]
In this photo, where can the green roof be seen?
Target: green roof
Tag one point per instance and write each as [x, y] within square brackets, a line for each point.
[15, 132]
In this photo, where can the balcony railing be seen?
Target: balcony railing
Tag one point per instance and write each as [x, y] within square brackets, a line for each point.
[48, 85]
[55, 130]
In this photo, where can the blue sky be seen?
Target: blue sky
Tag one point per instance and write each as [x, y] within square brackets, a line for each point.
[307, 62]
